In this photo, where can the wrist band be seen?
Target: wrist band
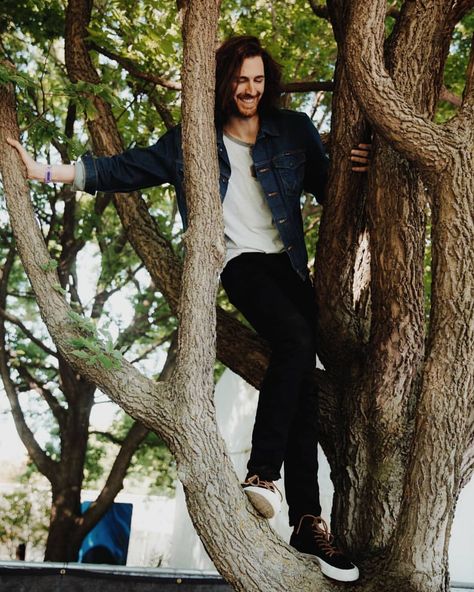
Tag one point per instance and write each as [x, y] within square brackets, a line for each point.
[48, 175]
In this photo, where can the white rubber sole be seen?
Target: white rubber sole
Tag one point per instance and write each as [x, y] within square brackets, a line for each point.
[335, 573]
[267, 503]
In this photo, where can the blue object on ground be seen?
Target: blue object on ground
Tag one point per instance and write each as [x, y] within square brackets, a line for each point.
[108, 541]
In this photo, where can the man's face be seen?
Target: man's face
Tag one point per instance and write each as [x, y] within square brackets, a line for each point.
[248, 87]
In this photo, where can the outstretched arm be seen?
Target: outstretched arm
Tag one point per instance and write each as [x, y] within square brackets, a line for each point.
[136, 168]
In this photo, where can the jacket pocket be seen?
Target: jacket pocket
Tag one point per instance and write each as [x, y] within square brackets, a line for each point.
[289, 167]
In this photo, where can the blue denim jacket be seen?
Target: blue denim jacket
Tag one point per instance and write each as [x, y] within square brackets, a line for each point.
[288, 156]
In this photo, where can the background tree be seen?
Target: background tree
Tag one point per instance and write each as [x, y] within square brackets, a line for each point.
[33, 372]
[25, 519]
[398, 403]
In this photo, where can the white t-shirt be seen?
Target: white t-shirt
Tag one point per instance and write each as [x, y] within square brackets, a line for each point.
[248, 223]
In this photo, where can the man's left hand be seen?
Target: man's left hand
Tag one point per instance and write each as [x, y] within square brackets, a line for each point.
[361, 156]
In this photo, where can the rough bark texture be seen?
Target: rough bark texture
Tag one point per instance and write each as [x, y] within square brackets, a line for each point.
[400, 107]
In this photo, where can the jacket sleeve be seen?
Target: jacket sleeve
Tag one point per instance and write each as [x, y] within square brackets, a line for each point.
[317, 163]
[133, 169]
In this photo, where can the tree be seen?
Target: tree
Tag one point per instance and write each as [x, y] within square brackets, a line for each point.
[24, 519]
[30, 364]
[31, 367]
[399, 443]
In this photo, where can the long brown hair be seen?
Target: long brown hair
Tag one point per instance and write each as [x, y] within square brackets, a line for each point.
[229, 58]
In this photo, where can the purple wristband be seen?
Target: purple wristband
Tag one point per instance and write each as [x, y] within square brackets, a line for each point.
[48, 176]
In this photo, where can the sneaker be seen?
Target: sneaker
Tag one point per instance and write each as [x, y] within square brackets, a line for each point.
[263, 495]
[312, 538]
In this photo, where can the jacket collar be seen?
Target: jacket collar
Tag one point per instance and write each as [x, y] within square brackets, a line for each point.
[268, 127]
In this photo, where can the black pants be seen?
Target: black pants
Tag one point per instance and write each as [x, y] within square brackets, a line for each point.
[280, 306]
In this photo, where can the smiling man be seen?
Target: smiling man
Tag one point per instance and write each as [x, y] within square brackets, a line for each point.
[267, 158]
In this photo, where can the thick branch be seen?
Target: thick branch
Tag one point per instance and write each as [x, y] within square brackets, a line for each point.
[125, 384]
[412, 134]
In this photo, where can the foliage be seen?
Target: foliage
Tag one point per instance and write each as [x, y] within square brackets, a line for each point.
[24, 519]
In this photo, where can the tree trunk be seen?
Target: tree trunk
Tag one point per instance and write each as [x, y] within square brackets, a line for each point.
[63, 544]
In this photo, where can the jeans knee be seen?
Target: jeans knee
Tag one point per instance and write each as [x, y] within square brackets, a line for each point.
[297, 341]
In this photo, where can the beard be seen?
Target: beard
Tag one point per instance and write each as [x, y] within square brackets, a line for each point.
[239, 109]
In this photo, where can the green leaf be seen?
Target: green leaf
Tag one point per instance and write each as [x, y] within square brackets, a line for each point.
[50, 266]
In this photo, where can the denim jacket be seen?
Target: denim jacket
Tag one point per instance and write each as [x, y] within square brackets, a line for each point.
[288, 157]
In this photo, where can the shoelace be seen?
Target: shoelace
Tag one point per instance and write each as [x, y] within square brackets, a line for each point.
[257, 482]
[322, 534]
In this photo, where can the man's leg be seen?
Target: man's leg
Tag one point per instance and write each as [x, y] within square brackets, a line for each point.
[280, 306]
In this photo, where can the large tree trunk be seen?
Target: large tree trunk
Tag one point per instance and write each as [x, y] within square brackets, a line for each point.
[400, 109]
[376, 357]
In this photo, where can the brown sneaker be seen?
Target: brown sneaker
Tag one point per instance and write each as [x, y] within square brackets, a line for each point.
[264, 496]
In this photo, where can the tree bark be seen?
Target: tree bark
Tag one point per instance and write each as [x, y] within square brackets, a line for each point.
[419, 547]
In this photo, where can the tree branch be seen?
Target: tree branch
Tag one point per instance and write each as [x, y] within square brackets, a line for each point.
[411, 133]
[162, 109]
[135, 70]
[460, 9]
[307, 86]
[107, 436]
[16, 321]
[450, 97]
[129, 445]
[57, 410]
[319, 9]
[468, 95]
[392, 11]
[465, 116]
[44, 463]
[123, 384]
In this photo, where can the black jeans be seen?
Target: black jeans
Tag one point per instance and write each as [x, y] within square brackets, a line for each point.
[280, 306]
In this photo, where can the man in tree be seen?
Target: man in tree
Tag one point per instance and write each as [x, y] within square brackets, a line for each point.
[267, 158]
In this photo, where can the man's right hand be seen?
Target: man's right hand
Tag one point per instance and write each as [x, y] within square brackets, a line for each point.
[62, 173]
[34, 169]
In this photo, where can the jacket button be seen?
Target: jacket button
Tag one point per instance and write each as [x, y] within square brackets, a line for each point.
[272, 194]
[290, 248]
[281, 220]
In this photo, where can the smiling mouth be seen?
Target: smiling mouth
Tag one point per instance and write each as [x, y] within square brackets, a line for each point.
[248, 99]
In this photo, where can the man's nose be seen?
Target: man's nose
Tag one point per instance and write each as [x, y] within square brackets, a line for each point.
[251, 87]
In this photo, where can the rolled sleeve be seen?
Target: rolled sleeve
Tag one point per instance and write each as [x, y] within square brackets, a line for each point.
[133, 169]
[90, 173]
[79, 176]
